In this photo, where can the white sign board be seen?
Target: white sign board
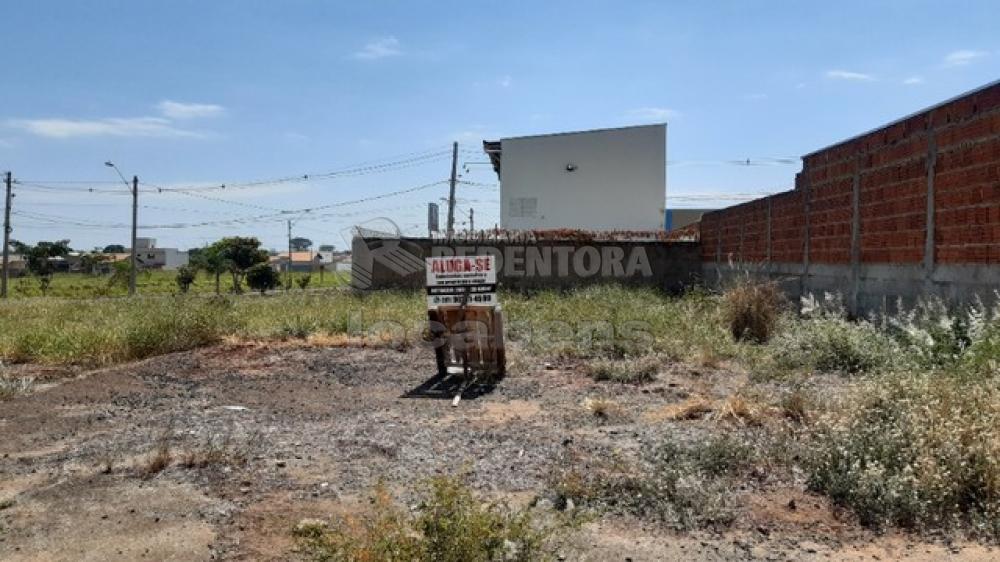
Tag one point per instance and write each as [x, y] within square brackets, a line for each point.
[453, 280]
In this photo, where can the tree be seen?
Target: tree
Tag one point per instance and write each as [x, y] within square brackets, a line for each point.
[38, 259]
[262, 277]
[301, 244]
[114, 249]
[239, 255]
[186, 275]
[37, 256]
[211, 261]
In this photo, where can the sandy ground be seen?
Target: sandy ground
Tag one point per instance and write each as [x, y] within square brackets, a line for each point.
[318, 427]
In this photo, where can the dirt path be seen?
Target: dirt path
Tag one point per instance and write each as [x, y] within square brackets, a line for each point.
[262, 436]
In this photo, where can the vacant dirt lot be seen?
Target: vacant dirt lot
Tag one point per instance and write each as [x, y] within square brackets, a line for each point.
[260, 436]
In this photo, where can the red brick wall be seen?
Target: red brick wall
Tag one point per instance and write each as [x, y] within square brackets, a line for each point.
[890, 166]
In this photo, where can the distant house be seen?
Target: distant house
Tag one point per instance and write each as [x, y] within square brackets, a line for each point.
[301, 261]
[148, 256]
[309, 261]
[17, 266]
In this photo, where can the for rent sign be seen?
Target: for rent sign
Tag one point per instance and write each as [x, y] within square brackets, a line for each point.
[450, 279]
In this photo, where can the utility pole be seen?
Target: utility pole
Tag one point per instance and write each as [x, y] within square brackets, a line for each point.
[135, 221]
[472, 223]
[451, 191]
[6, 237]
[288, 284]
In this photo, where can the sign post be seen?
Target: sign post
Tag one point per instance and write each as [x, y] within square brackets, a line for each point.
[466, 321]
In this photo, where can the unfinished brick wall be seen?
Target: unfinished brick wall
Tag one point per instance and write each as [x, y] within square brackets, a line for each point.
[867, 200]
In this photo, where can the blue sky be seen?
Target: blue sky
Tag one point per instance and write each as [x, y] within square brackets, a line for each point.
[200, 93]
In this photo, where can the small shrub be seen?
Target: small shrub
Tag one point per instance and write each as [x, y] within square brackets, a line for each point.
[220, 450]
[752, 309]
[161, 456]
[630, 371]
[451, 526]
[12, 386]
[262, 277]
[921, 451]
[157, 461]
[303, 282]
[603, 408]
[185, 277]
[683, 485]
[825, 340]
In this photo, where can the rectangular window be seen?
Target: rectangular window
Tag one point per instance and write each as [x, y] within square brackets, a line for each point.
[523, 207]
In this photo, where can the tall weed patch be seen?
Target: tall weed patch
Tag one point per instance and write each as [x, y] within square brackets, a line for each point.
[917, 450]
[824, 340]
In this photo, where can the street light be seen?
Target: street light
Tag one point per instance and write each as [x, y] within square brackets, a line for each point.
[135, 217]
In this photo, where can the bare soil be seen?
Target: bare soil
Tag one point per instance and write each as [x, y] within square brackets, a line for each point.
[306, 431]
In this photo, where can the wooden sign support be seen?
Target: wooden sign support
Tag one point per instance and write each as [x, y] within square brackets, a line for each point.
[466, 322]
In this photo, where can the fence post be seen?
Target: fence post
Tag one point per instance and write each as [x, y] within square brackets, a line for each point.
[929, 244]
[806, 204]
[767, 258]
[855, 236]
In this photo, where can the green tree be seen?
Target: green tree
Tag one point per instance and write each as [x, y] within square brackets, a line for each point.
[114, 249]
[38, 259]
[186, 275]
[240, 254]
[301, 244]
[262, 277]
[211, 261]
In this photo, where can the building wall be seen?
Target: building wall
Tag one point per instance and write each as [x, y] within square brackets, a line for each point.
[172, 259]
[619, 182]
[909, 209]
[541, 264]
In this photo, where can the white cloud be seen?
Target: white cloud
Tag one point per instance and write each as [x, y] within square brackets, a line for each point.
[178, 110]
[653, 113]
[913, 80]
[293, 136]
[963, 57]
[800, 85]
[113, 127]
[849, 75]
[379, 48]
[505, 81]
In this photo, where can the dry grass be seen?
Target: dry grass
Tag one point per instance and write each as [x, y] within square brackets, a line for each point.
[742, 411]
[158, 461]
[451, 525]
[695, 407]
[603, 408]
[636, 370]
[752, 310]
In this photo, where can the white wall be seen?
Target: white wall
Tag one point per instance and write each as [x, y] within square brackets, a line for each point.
[619, 181]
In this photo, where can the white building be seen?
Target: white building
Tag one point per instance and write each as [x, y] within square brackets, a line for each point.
[149, 256]
[605, 179]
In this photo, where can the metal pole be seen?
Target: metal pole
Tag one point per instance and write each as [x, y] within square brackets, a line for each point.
[6, 237]
[135, 221]
[288, 284]
[472, 223]
[451, 190]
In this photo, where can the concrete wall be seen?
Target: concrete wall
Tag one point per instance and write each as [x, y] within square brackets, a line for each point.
[909, 209]
[398, 263]
[618, 181]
